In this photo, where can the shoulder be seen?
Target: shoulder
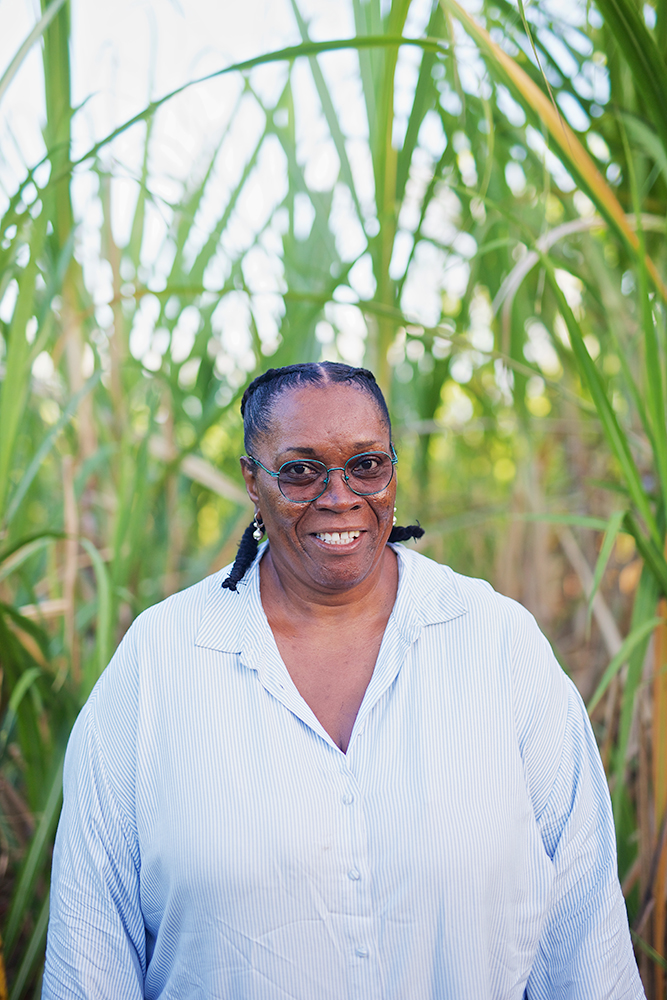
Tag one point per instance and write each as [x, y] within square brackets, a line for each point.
[496, 636]
[160, 637]
[159, 644]
[433, 583]
[178, 615]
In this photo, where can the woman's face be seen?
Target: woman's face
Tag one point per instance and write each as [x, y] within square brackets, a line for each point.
[330, 423]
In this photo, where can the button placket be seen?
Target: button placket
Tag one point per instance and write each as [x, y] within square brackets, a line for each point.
[361, 931]
[352, 819]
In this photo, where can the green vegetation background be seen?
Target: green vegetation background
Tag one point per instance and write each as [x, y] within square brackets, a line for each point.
[529, 416]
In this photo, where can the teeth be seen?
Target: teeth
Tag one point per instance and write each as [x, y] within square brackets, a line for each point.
[338, 537]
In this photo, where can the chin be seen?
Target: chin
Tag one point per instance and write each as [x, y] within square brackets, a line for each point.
[342, 572]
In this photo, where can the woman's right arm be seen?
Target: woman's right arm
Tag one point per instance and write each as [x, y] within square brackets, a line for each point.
[96, 941]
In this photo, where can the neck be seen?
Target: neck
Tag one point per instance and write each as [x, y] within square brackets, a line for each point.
[283, 592]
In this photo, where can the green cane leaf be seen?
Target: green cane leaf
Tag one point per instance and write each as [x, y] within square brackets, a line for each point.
[630, 643]
[612, 530]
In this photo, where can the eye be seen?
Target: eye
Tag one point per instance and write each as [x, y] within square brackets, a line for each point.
[300, 471]
[369, 466]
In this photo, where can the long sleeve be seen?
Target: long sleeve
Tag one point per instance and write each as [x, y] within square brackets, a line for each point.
[96, 939]
[585, 951]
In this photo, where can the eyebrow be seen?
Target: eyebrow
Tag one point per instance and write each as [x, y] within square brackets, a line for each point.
[360, 446]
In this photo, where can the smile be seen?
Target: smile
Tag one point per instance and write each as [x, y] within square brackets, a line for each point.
[337, 537]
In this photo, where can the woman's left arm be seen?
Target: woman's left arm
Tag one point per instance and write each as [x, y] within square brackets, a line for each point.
[585, 952]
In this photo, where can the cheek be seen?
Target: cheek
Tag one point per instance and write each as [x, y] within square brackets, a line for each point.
[385, 511]
[279, 517]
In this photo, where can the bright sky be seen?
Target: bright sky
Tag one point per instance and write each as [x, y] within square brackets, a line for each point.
[127, 52]
[130, 50]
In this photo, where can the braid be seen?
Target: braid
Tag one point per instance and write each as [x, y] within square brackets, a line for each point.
[244, 558]
[399, 534]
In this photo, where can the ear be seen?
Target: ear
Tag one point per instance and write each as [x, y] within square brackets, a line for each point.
[249, 472]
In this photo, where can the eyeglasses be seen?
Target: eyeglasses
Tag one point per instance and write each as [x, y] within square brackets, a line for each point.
[306, 479]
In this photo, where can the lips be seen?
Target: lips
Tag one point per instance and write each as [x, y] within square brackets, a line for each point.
[337, 537]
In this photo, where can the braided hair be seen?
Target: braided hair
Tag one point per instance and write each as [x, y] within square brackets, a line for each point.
[256, 413]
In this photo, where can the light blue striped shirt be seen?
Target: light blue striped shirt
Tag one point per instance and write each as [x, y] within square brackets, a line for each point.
[215, 843]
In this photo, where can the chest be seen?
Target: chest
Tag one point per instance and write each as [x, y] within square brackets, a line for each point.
[257, 833]
[332, 673]
[229, 763]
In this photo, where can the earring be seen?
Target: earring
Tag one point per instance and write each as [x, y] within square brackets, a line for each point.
[395, 518]
[258, 524]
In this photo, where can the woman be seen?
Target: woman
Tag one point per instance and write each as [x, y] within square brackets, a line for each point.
[338, 771]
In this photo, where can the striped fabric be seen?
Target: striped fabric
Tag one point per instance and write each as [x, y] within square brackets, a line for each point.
[215, 844]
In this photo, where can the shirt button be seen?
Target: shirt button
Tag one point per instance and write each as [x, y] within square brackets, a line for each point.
[361, 951]
[348, 798]
[354, 874]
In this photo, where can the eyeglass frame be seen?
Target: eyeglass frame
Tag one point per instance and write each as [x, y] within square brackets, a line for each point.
[334, 468]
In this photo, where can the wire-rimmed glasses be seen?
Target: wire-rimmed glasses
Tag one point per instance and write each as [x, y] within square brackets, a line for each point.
[303, 480]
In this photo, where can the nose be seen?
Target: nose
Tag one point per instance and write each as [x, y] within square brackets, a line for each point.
[337, 493]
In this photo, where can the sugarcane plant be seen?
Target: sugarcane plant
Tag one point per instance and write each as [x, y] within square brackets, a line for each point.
[479, 216]
[616, 346]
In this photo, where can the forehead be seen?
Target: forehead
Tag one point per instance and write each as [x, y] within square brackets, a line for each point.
[321, 414]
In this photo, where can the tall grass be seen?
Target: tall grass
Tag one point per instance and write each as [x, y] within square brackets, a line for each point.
[517, 327]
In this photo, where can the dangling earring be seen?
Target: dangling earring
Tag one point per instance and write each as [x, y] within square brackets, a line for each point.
[258, 533]
[395, 518]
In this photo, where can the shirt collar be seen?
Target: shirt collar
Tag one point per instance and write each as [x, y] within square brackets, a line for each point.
[232, 622]
[428, 593]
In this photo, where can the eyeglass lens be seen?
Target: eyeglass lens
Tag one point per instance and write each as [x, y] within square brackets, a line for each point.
[365, 474]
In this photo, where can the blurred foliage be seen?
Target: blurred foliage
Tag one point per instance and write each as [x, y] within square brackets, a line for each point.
[491, 243]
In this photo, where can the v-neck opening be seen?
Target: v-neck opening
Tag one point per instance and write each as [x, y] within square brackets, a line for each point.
[261, 647]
